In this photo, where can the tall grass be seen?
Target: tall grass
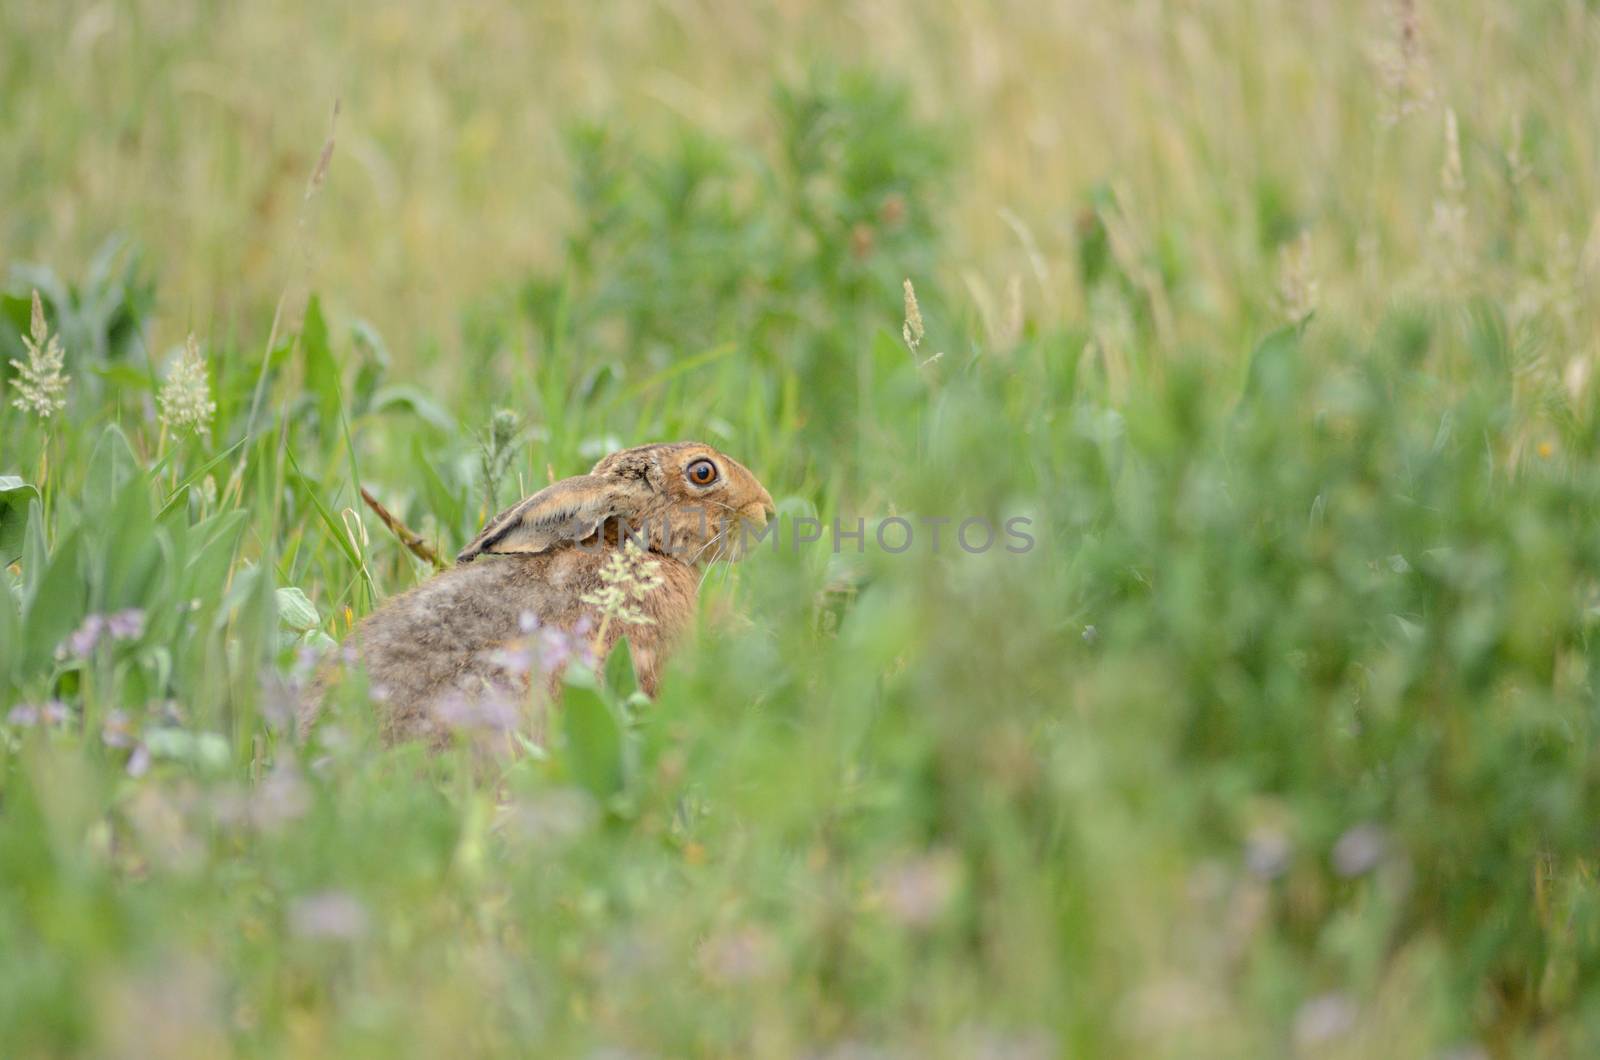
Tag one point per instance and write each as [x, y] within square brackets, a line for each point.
[1274, 320]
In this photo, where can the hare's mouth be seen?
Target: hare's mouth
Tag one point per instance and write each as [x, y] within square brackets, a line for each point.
[757, 513]
[732, 542]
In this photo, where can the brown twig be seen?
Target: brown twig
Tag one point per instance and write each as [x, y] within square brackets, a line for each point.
[408, 537]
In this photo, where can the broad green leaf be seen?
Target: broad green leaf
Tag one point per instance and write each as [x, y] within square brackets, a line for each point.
[1273, 365]
[10, 630]
[16, 496]
[111, 465]
[205, 750]
[593, 738]
[372, 366]
[35, 553]
[55, 607]
[296, 611]
[621, 681]
[131, 553]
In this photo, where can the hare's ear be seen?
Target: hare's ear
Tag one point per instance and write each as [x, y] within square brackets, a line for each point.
[566, 512]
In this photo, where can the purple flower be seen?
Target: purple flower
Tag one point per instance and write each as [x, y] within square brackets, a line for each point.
[52, 713]
[329, 915]
[82, 640]
[127, 624]
[306, 658]
[1268, 853]
[279, 699]
[517, 661]
[558, 647]
[1322, 1019]
[554, 647]
[139, 761]
[1359, 850]
[117, 730]
[917, 890]
[485, 711]
[555, 650]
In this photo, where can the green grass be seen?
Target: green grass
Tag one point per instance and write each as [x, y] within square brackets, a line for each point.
[1280, 741]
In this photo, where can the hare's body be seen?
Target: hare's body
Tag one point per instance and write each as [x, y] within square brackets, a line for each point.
[472, 635]
[444, 639]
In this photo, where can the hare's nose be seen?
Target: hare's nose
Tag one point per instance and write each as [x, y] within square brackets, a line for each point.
[759, 511]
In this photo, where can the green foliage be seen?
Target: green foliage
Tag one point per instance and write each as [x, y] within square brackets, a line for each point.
[16, 497]
[780, 261]
[1277, 737]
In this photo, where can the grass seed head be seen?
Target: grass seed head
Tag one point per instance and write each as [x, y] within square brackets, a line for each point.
[185, 397]
[41, 387]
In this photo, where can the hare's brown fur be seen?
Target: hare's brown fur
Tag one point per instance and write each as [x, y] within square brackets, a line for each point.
[532, 566]
[430, 642]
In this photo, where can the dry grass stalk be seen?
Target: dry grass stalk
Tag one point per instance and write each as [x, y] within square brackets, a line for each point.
[408, 537]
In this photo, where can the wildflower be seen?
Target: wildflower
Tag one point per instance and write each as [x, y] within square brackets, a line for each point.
[40, 384]
[127, 624]
[117, 730]
[329, 915]
[1404, 71]
[487, 709]
[1359, 850]
[629, 577]
[1322, 1019]
[26, 715]
[139, 761]
[557, 648]
[917, 890]
[514, 661]
[185, 397]
[912, 330]
[1268, 852]
[82, 640]
[1297, 284]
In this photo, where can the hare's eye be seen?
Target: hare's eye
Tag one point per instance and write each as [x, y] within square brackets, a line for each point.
[702, 472]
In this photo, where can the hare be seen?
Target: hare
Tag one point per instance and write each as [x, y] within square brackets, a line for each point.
[573, 568]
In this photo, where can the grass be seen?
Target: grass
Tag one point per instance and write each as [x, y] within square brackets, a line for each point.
[1280, 740]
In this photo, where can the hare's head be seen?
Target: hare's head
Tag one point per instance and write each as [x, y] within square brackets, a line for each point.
[682, 498]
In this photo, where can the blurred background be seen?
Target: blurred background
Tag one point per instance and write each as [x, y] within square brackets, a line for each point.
[1276, 317]
[1208, 134]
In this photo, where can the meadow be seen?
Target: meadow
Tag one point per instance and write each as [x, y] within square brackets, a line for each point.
[1275, 320]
